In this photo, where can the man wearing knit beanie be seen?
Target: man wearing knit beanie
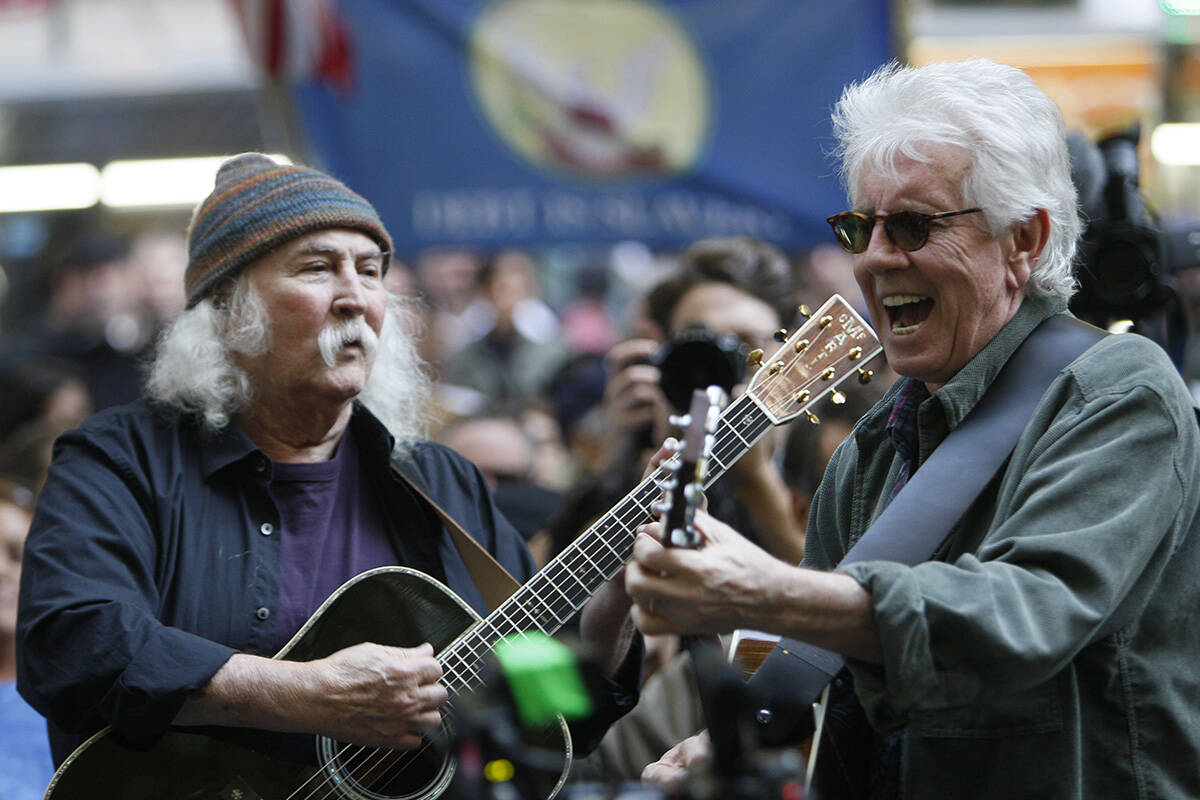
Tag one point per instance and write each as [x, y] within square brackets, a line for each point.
[258, 205]
[183, 540]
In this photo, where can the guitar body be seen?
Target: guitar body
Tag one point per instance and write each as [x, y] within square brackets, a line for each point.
[392, 606]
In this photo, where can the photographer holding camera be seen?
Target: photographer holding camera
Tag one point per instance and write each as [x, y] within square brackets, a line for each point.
[727, 297]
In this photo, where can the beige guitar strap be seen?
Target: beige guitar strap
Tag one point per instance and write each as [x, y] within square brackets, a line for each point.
[492, 580]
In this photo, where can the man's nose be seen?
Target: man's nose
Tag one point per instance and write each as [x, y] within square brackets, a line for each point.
[882, 253]
[349, 297]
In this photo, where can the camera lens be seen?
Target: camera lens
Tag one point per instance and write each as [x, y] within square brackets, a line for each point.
[697, 359]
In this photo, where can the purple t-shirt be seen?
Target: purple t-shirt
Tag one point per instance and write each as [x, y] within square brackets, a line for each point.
[330, 530]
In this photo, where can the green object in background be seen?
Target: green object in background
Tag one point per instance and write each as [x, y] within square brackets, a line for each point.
[543, 676]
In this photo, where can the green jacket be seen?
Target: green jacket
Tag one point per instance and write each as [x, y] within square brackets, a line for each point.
[1052, 647]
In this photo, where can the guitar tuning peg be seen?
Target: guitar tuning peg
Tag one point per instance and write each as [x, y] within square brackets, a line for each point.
[826, 321]
[829, 373]
[781, 335]
[801, 345]
[865, 375]
[658, 509]
[813, 418]
[802, 396]
[855, 353]
[777, 367]
[680, 420]
[804, 310]
[837, 397]
[755, 357]
[666, 484]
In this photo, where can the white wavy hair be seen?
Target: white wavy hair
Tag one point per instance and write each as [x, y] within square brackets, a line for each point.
[193, 370]
[1013, 133]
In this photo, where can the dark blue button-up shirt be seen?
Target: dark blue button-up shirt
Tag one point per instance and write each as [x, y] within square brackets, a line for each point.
[151, 561]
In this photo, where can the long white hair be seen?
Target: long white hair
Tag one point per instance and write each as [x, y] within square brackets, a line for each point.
[193, 370]
[1013, 133]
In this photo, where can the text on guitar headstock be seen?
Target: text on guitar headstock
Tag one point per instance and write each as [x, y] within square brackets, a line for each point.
[835, 343]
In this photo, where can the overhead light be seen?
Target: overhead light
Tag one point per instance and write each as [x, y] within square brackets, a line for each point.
[48, 187]
[1176, 143]
[161, 182]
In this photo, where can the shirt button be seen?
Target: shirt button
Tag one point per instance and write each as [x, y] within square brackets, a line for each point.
[263, 613]
[260, 465]
[266, 529]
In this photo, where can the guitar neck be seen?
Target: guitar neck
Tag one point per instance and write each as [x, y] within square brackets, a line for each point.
[549, 599]
[830, 347]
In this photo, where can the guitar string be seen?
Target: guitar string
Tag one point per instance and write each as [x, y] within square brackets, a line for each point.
[641, 510]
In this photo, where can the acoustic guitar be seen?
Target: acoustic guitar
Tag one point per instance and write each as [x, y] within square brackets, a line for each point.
[402, 607]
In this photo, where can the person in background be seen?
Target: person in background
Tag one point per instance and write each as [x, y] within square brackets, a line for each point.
[182, 540]
[158, 259]
[518, 350]
[1048, 648]
[94, 318]
[503, 451]
[737, 286]
[448, 279]
[25, 764]
[40, 397]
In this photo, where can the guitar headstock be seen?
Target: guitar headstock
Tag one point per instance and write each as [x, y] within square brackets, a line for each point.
[691, 467]
[832, 345]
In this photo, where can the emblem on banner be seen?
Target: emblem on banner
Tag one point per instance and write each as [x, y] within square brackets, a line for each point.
[606, 88]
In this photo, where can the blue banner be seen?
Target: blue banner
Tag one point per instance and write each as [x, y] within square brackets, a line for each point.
[547, 121]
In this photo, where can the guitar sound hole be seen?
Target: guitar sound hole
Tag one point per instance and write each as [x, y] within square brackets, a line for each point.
[364, 773]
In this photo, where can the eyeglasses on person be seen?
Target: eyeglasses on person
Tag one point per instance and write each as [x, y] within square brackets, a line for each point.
[908, 230]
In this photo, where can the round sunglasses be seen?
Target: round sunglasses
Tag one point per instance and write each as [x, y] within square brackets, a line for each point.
[908, 230]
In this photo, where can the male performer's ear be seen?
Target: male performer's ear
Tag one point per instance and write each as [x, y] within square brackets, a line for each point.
[1028, 238]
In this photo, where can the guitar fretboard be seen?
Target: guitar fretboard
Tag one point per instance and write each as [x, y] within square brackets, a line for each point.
[560, 590]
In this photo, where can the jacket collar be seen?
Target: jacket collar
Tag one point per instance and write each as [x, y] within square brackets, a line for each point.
[231, 445]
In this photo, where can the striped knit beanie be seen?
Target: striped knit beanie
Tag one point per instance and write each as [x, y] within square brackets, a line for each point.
[258, 205]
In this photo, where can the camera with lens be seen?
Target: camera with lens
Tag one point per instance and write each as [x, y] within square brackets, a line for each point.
[696, 359]
[1125, 263]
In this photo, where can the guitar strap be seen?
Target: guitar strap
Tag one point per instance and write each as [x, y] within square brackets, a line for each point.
[493, 581]
[918, 520]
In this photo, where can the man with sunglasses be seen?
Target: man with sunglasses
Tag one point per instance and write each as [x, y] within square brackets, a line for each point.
[1048, 648]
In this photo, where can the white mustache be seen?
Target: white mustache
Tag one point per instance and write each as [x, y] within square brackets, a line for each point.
[333, 338]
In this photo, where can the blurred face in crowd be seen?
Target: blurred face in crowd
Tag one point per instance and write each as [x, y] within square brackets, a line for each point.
[510, 282]
[324, 285]
[497, 446]
[936, 307]
[723, 308]
[14, 524]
